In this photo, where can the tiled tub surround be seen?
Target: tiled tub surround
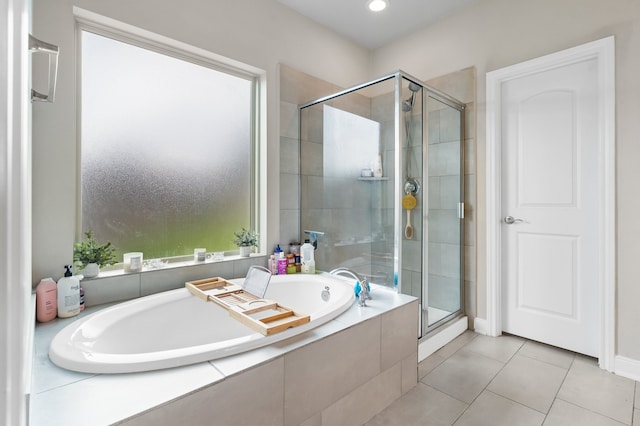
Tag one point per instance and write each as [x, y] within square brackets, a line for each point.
[343, 372]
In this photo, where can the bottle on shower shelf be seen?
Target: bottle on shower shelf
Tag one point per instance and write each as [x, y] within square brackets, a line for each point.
[377, 167]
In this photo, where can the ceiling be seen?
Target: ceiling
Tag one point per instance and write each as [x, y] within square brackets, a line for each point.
[354, 20]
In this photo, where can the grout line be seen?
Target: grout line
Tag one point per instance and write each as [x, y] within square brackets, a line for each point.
[571, 365]
[485, 387]
[494, 377]
[594, 412]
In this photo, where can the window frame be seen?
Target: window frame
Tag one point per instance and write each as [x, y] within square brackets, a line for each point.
[90, 22]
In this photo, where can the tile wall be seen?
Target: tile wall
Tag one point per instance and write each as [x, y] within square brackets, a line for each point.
[116, 286]
[341, 206]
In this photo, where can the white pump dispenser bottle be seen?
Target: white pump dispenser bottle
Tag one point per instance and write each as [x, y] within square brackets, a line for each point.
[69, 294]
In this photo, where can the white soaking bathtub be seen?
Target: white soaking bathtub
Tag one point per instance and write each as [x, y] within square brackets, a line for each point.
[176, 328]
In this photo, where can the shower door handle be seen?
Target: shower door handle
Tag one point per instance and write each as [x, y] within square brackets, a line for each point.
[510, 220]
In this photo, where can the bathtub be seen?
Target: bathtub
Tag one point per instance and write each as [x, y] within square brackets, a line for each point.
[176, 328]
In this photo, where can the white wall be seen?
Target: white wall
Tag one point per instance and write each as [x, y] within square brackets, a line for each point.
[496, 33]
[260, 33]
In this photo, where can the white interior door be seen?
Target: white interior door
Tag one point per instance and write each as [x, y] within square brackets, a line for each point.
[550, 244]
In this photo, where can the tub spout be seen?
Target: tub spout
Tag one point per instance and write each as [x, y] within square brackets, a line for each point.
[364, 294]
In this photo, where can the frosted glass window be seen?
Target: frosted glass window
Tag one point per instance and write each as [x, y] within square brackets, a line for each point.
[166, 150]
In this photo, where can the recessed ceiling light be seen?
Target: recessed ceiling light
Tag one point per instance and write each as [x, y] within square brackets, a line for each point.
[377, 5]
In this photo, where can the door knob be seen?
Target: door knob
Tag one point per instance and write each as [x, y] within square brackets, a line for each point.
[510, 220]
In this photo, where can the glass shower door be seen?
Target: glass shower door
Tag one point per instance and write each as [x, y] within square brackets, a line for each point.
[347, 180]
[443, 293]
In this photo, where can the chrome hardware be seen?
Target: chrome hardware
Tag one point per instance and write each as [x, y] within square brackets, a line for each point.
[364, 292]
[326, 295]
[510, 220]
[460, 210]
[411, 186]
[39, 46]
[364, 284]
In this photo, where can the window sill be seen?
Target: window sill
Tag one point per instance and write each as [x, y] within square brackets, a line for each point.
[118, 286]
[119, 271]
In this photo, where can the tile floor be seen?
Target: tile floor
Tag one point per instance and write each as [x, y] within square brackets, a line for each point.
[479, 380]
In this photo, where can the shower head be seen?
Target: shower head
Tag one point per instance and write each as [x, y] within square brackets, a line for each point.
[407, 105]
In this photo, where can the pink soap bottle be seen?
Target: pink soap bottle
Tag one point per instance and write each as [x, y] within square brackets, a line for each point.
[46, 300]
[282, 264]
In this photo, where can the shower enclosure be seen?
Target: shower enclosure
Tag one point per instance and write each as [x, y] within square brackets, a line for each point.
[381, 189]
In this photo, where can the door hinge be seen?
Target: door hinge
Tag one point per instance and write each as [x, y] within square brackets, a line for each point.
[460, 210]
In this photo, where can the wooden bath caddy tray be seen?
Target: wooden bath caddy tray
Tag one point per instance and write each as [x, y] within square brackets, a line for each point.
[263, 315]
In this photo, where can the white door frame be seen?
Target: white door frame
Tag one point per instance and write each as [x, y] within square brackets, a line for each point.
[604, 53]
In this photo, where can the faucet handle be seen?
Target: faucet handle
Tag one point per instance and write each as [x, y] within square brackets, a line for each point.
[362, 296]
[366, 287]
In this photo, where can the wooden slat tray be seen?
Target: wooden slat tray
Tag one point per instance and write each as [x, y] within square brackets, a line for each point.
[263, 315]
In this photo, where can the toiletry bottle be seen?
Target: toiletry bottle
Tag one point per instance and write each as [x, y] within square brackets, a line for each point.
[307, 258]
[68, 294]
[46, 300]
[81, 298]
[282, 264]
[276, 256]
[291, 263]
[377, 167]
[273, 265]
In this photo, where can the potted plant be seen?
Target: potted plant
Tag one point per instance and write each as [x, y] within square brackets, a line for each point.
[246, 240]
[91, 256]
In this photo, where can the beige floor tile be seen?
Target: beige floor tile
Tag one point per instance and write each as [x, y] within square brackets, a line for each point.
[490, 409]
[421, 406]
[548, 354]
[431, 362]
[452, 347]
[464, 375]
[636, 417]
[637, 400]
[501, 348]
[564, 414]
[584, 359]
[597, 390]
[530, 382]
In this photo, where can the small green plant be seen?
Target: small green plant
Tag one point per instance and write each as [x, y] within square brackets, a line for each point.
[245, 238]
[89, 251]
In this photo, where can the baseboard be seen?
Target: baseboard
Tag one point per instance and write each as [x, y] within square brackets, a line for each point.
[627, 367]
[441, 338]
[480, 326]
